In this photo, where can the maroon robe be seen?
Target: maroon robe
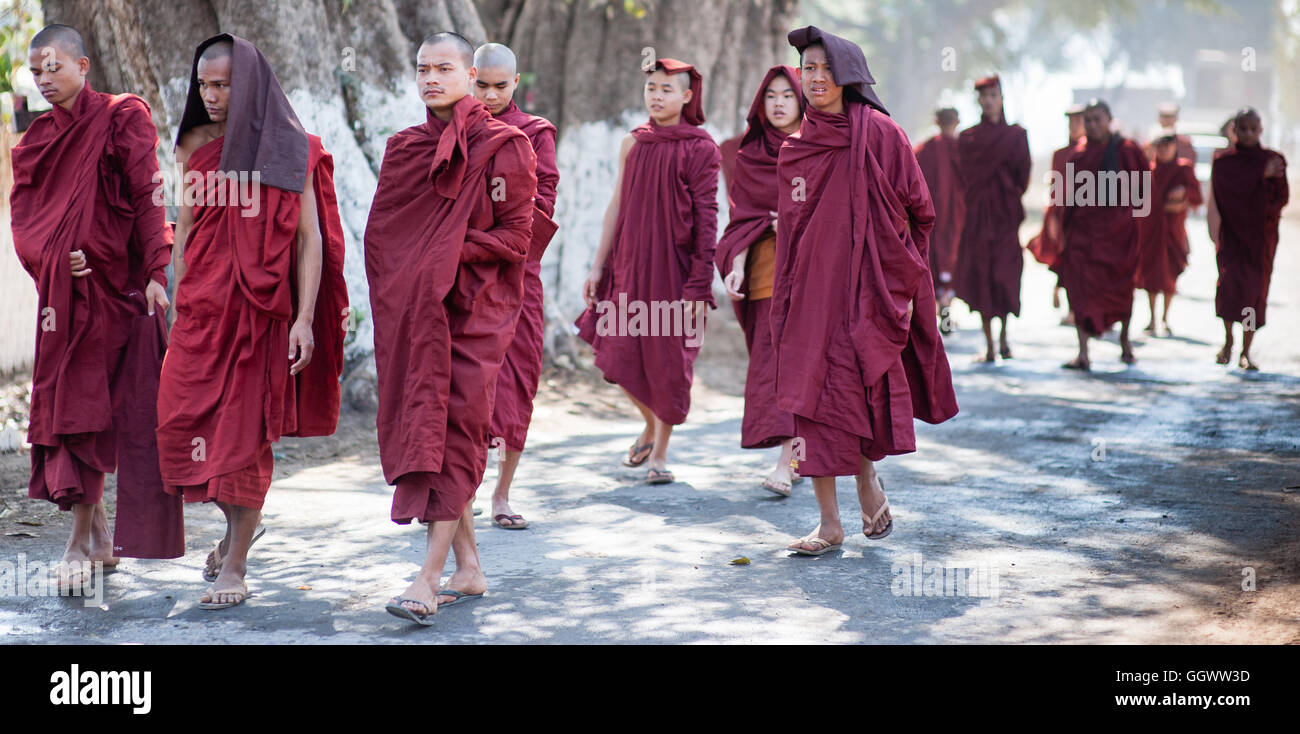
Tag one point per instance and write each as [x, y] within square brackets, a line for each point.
[752, 196]
[226, 393]
[522, 369]
[662, 253]
[85, 179]
[446, 242]
[729, 148]
[1250, 207]
[995, 166]
[1046, 245]
[852, 252]
[1164, 234]
[939, 163]
[1098, 265]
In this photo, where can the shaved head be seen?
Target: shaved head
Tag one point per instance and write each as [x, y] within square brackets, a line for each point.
[464, 49]
[496, 56]
[218, 50]
[64, 37]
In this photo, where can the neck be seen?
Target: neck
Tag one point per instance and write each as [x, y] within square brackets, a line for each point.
[995, 116]
[1104, 139]
[68, 104]
[668, 121]
[792, 127]
[833, 108]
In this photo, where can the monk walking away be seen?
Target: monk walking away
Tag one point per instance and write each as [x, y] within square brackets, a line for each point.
[1104, 200]
[87, 230]
[1174, 189]
[447, 242]
[1046, 245]
[939, 162]
[498, 77]
[651, 280]
[259, 262]
[746, 259]
[859, 354]
[1249, 188]
[994, 159]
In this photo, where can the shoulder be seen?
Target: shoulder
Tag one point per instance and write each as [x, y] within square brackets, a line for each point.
[195, 138]
[129, 107]
[888, 134]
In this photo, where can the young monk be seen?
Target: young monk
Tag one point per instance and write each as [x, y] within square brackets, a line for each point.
[656, 255]
[260, 268]
[746, 259]
[995, 173]
[1249, 187]
[1174, 188]
[449, 233]
[1046, 245]
[858, 352]
[86, 228]
[938, 159]
[1098, 265]
[522, 369]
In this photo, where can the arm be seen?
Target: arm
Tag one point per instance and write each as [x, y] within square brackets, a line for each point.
[703, 186]
[185, 216]
[607, 228]
[511, 189]
[548, 176]
[136, 141]
[309, 254]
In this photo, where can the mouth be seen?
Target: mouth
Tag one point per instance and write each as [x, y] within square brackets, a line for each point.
[431, 93]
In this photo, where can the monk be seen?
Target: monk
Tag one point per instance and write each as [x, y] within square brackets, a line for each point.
[939, 163]
[259, 253]
[449, 235]
[652, 278]
[1098, 264]
[1167, 117]
[746, 259]
[1248, 184]
[1174, 189]
[522, 369]
[1212, 219]
[858, 352]
[1046, 245]
[994, 159]
[87, 229]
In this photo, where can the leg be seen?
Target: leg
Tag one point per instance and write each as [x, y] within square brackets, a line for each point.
[421, 595]
[1226, 353]
[213, 564]
[781, 480]
[1126, 347]
[871, 496]
[1164, 317]
[241, 524]
[469, 577]
[986, 323]
[634, 457]
[1247, 336]
[1151, 301]
[658, 463]
[829, 529]
[1004, 348]
[1081, 361]
[501, 497]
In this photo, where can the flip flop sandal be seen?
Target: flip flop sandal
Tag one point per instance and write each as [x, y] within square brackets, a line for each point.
[215, 605]
[876, 517]
[824, 546]
[777, 487]
[395, 608]
[659, 476]
[517, 522]
[210, 575]
[636, 451]
[456, 597]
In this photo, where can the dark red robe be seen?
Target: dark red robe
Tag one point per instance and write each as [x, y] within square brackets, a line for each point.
[752, 197]
[522, 369]
[995, 173]
[729, 148]
[226, 394]
[662, 254]
[852, 252]
[1164, 234]
[85, 179]
[449, 232]
[1046, 245]
[939, 163]
[1098, 265]
[1250, 207]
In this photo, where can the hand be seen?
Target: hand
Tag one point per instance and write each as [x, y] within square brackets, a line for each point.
[701, 307]
[773, 222]
[301, 345]
[154, 293]
[79, 269]
[1273, 168]
[733, 281]
[909, 310]
[590, 286]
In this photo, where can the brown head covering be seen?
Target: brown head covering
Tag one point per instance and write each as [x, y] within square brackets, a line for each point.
[262, 132]
[848, 63]
[693, 112]
[989, 81]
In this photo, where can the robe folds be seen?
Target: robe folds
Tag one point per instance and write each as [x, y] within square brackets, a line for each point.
[1098, 264]
[226, 393]
[939, 163]
[852, 252]
[1164, 234]
[752, 196]
[662, 255]
[1046, 245]
[85, 179]
[995, 173]
[522, 369]
[1250, 207]
[448, 237]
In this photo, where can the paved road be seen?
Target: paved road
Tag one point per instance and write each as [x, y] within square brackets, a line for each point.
[1117, 507]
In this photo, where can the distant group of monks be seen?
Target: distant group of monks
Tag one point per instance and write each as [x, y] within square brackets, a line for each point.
[1101, 247]
[840, 302]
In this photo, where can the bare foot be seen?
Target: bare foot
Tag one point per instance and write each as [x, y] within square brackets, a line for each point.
[1078, 363]
[469, 583]
[832, 535]
[985, 358]
[1224, 354]
[1127, 357]
[101, 539]
[1246, 363]
[420, 591]
[228, 589]
[871, 497]
[780, 481]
